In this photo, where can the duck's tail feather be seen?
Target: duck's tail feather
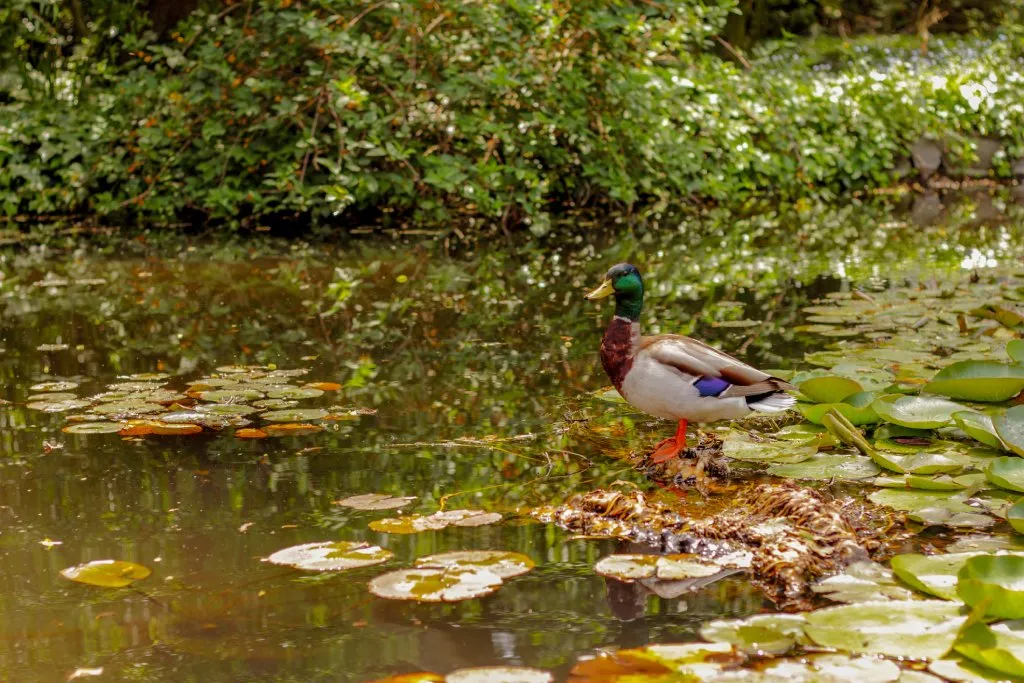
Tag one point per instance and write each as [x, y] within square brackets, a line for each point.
[775, 402]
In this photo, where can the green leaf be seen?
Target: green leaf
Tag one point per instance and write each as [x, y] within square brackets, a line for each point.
[1015, 516]
[897, 628]
[107, 573]
[975, 380]
[774, 634]
[829, 389]
[1001, 650]
[1015, 350]
[932, 574]
[978, 426]
[1010, 428]
[995, 580]
[826, 467]
[1007, 473]
[331, 556]
[916, 412]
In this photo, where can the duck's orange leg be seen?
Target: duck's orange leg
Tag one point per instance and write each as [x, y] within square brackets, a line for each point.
[669, 448]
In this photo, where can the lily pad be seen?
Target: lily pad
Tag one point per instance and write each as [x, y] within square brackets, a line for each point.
[225, 409]
[439, 520]
[978, 426]
[375, 501]
[932, 507]
[231, 395]
[499, 674]
[667, 567]
[916, 412]
[1015, 516]
[295, 393]
[1007, 473]
[975, 380]
[996, 580]
[295, 415]
[1015, 350]
[827, 467]
[131, 407]
[435, 585]
[107, 573]
[862, 582]
[773, 634]
[932, 574]
[833, 668]
[54, 386]
[997, 648]
[503, 563]
[829, 388]
[59, 406]
[1010, 428]
[741, 447]
[275, 404]
[94, 428]
[963, 671]
[331, 556]
[922, 629]
[857, 408]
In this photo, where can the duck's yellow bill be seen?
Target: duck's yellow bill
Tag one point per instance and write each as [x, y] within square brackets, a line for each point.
[601, 292]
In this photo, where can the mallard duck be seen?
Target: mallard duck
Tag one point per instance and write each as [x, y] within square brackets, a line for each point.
[675, 377]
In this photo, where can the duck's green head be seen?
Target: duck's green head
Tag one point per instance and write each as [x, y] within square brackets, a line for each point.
[624, 281]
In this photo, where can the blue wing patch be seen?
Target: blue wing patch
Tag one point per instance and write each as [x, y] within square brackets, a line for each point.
[711, 386]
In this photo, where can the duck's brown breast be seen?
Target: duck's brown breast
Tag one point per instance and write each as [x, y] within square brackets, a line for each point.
[617, 349]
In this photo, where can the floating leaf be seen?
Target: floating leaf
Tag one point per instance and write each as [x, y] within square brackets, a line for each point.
[295, 393]
[827, 467]
[503, 563]
[94, 428]
[857, 409]
[975, 380]
[917, 412]
[331, 556]
[1010, 428]
[978, 426]
[932, 507]
[59, 406]
[52, 397]
[54, 386]
[106, 573]
[897, 628]
[834, 668]
[439, 520]
[933, 574]
[231, 395]
[962, 671]
[295, 415]
[1015, 350]
[251, 434]
[773, 634]
[1007, 473]
[435, 585]
[291, 429]
[919, 463]
[225, 409]
[742, 447]
[862, 582]
[275, 404]
[1015, 516]
[627, 567]
[375, 501]
[829, 388]
[997, 648]
[997, 580]
[132, 407]
[499, 674]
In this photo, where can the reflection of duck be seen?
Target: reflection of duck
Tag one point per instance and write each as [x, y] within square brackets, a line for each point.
[675, 377]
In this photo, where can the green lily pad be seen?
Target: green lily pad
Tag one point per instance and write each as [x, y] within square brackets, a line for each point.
[996, 648]
[58, 406]
[94, 428]
[1010, 428]
[1015, 516]
[997, 580]
[331, 556]
[503, 563]
[375, 501]
[830, 667]
[294, 393]
[941, 482]
[857, 408]
[976, 380]
[231, 395]
[940, 516]
[52, 397]
[919, 463]
[863, 581]
[978, 426]
[773, 634]
[741, 447]
[916, 412]
[435, 585]
[1015, 350]
[107, 573]
[225, 409]
[922, 629]
[963, 671]
[829, 389]
[54, 386]
[1007, 473]
[933, 507]
[827, 467]
[667, 567]
[414, 524]
[295, 415]
[275, 404]
[932, 574]
[131, 407]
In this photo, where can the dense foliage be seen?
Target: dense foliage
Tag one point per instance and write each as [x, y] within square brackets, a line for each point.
[342, 111]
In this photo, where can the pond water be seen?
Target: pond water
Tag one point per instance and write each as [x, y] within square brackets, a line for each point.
[461, 376]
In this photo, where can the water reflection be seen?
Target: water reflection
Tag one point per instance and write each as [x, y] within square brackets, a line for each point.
[443, 348]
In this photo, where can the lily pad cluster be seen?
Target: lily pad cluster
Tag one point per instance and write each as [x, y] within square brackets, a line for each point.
[233, 397]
